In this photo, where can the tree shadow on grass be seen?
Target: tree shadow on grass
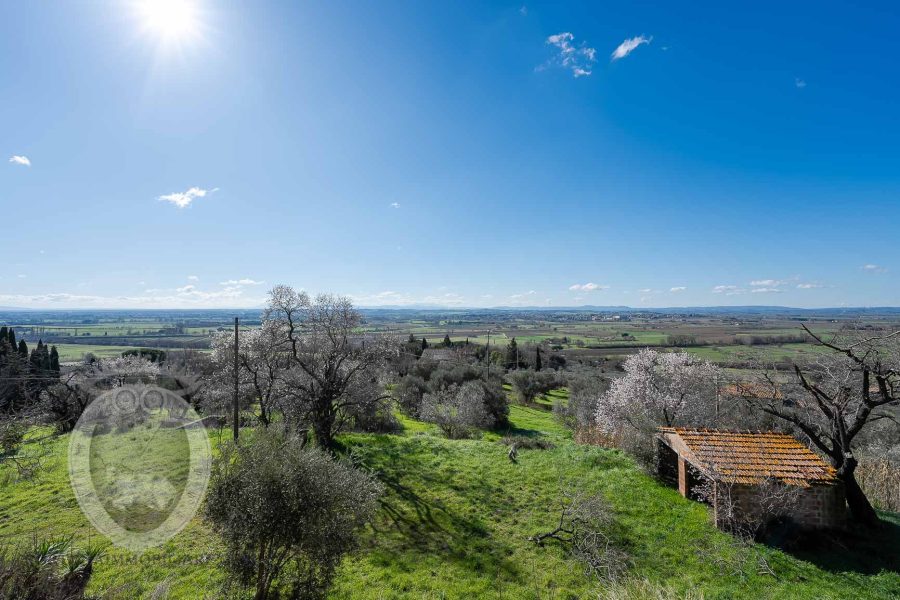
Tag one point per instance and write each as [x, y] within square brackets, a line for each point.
[860, 550]
[409, 520]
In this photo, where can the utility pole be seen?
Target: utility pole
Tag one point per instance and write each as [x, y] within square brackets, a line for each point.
[235, 424]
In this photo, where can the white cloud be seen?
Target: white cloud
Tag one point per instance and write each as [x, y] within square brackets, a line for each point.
[578, 59]
[873, 268]
[524, 295]
[183, 199]
[395, 205]
[765, 290]
[728, 290]
[20, 160]
[193, 278]
[244, 281]
[809, 286]
[587, 287]
[799, 83]
[185, 297]
[766, 282]
[645, 290]
[677, 289]
[628, 46]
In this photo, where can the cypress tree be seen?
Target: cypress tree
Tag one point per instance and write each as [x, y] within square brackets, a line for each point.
[54, 361]
[23, 349]
[12, 338]
[447, 342]
[512, 354]
[424, 343]
[537, 359]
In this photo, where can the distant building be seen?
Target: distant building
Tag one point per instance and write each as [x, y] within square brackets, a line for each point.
[738, 464]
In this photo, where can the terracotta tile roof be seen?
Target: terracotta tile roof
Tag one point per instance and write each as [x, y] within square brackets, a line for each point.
[748, 457]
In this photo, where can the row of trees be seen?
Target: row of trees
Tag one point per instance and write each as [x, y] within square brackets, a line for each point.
[24, 374]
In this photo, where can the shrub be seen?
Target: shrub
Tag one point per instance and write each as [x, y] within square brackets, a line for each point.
[409, 392]
[12, 432]
[287, 513]
[49, 569]
[524, 442]
[529, 384]
[585, 391]
[457, 410]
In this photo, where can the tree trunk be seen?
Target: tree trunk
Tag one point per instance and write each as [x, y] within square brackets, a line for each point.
[860, 508]
[323, 427]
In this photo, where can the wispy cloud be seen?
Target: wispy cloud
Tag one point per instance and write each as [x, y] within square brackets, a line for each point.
[578, 59]
[799, 83]
[245, 281]
[809, 286]
[184, 297]
[765, 290]
[20, 160]
[395, 205]
[523, 295]
[523, 11]
[587, 287]
[767, 282]
[870, 268]
[728, 290]
[183, 199]
[193, 278]
[677, 289]
[629, 46]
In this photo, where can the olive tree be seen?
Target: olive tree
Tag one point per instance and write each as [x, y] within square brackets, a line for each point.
[457, 410]
[334, 371]
[287, 513]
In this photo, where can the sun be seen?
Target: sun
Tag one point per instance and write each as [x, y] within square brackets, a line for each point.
[171, 20]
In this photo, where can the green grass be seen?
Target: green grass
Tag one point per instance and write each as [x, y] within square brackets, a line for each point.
[455, 517]
[73, 352]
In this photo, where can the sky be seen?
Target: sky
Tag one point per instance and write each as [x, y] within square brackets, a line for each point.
[194, 154]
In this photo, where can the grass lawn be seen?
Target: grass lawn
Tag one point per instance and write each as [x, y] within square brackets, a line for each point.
[455, 517]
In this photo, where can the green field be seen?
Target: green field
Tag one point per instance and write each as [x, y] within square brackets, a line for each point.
[454, 521]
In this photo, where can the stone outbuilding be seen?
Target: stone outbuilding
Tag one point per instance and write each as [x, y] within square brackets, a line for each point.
[735, 472]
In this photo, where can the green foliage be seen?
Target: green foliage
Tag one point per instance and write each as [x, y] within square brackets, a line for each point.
[529, 384]
[288, 513]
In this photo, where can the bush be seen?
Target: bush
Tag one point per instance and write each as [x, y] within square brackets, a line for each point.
[585, 391]
[47, 570]
[287, 513]
[411, 390]
[530, 384]
[12, 432]
[457, 410]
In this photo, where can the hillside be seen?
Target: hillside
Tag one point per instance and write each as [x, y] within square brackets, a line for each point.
[454, 521]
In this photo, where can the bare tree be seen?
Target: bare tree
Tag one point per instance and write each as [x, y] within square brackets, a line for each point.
[263, 365]
[834, 399]
[334, 367]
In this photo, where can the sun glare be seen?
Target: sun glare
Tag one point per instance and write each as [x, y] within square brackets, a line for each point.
[174, 20]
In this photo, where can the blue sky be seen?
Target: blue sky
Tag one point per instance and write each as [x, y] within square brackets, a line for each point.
[448, 153]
